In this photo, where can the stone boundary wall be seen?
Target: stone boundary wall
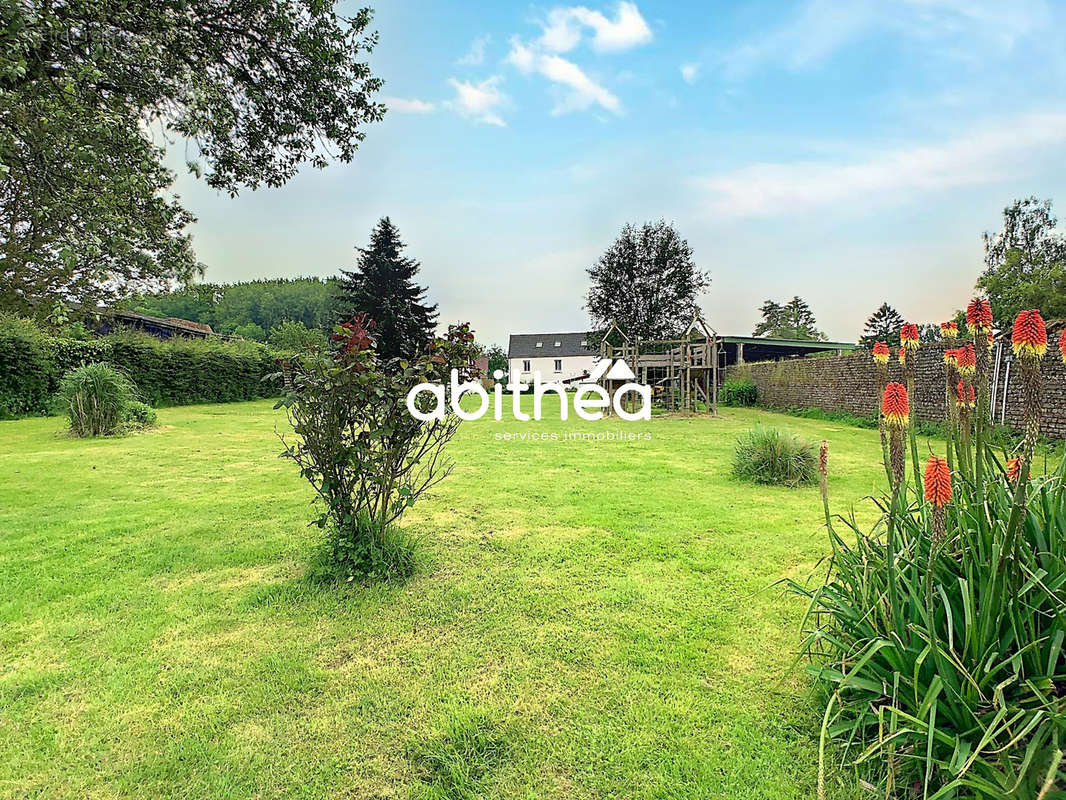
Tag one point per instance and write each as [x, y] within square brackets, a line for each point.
[849, 383]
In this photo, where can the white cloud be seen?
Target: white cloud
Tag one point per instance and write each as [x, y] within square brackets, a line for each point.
[521, 57]
[689, 72]
[958, 28]
[480, 101]
[409, 105]
[475, 56]
[584, 91]
[581, 91]
[983, 157]
[565, 25]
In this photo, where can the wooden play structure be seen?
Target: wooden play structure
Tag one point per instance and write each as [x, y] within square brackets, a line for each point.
[682, 372]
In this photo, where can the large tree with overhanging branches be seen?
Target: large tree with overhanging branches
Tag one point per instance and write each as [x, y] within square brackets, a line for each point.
[93, 91]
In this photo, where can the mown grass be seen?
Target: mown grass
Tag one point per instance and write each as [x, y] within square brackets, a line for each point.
[590, 620]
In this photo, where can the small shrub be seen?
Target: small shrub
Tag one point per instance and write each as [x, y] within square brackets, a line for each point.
[367, 457]
[768, 456]
[362, 552]
[455, 762]
[139, 415]
[96, 398]
[738, 392]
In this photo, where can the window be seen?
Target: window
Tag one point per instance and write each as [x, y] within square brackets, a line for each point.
[558, 365]
[584, 342]
[525, 366]
[558, 344]
[540, 344]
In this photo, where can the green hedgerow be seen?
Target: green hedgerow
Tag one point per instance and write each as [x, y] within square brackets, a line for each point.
[768, 456]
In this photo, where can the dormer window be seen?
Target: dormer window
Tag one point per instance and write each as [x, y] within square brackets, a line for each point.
[558, 344]
[540, 344]
[584, 342]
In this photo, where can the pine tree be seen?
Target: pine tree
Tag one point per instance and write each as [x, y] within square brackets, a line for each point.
[383, 286]
[883, 325]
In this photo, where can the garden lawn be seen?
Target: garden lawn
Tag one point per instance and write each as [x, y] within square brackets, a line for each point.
[590, 620]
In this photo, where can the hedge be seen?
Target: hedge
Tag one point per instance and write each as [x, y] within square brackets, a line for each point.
[175, 372]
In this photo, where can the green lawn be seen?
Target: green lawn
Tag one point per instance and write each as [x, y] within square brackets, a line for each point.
[591, 620]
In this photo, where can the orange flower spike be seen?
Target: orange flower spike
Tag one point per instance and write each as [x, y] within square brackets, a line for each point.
[903, 356]
[949, 330]
[908, 336]
[881, 353]
[1029, 336]
[1062, 344]
[1013, 469]
[895, 406]
[971, 401]
[951, 357]
[937, 482]
[967, 360]
[979, 315]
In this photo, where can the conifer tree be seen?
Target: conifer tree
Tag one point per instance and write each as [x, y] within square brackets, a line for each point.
[383, 286]
[883, 325]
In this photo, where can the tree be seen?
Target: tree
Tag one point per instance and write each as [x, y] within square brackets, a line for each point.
[89, 90]
[383, 287]
[647, 282]
[793, 320]
[497, 359]
[1025, 263]
[883, 325]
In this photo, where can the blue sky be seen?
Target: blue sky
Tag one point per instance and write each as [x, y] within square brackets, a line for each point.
[848, 152]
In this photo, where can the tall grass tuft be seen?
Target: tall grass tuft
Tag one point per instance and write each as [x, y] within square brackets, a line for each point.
[96, 398]
[768, 456]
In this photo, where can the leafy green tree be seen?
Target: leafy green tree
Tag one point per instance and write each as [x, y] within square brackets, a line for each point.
[647, 282]
[1025, 263]
[88, 91]
[250, 330]
[383, 287]
[793, 320]
[883, 325]
[295, 337]
[497, 359]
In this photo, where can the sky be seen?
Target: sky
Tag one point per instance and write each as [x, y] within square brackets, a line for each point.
[848, 152]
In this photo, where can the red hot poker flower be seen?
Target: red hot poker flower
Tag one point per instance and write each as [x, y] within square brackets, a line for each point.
[979, 315]
[1013, 469]
[1029, 336]
[967, 360]
[964, 395]
[937, 482]
[903, 356]
[895, 406]
[881, 353]
[908, 336]
[951, 357]
[1062, 344]
[949, 330]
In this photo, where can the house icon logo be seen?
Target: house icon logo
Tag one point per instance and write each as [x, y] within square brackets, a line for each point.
[607, 370]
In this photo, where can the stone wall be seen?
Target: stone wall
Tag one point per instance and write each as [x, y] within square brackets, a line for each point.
[849, 383]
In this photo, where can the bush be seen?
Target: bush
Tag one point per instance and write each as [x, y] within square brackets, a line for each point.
[738, 392]
[96, 398]
[768, 456]
[367, 457]
[139, 415]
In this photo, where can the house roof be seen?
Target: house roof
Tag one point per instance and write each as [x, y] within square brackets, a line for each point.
[806, 344]
[524, 345]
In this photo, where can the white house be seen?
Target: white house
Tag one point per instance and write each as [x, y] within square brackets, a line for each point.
[557, 356]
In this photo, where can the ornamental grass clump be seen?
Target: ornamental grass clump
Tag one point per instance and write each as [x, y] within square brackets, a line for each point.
[100, 400]
[939, 634]
[768, 456]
